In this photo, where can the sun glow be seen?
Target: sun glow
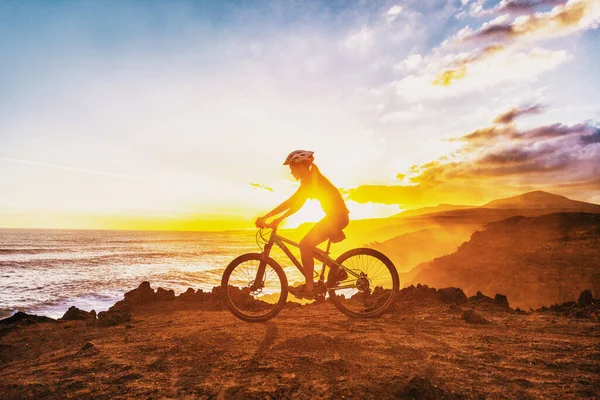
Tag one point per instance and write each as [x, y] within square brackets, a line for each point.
[312, 212]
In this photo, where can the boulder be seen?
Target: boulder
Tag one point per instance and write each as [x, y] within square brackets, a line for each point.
[164, 295]
[474, 317]
[75, 314]
[452, 295]
[417, 293]
[143, 294]
[417, 388]
[585, 298]
[119, 313]
[88, 349]
[25, 319]
[501, 300]
[481, 300]
[187, 295]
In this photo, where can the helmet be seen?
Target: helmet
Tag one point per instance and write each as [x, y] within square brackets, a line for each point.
[299, 156]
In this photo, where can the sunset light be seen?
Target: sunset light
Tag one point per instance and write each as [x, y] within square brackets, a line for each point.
[121, 122]
[299, 199]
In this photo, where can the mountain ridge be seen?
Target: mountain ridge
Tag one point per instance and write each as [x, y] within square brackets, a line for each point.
[533, 260]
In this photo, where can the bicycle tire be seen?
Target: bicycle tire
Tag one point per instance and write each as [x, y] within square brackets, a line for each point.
[225, 285]
[395, 283]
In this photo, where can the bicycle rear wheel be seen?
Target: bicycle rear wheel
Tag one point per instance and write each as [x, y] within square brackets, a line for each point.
[250, 301]
[372, 291]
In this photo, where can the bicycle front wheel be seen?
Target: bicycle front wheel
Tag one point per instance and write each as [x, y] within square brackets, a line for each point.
[371, 286]
[252, 298]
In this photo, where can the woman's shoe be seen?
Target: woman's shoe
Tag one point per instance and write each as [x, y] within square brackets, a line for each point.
[336, 277]
[301, 293]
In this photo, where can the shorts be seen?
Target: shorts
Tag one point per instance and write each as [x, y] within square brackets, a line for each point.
[333, 223]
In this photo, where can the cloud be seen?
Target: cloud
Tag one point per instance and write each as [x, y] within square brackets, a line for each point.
[509, 116]
[496, 151]
[499, 159]
[525, 5]
[259, 186]
[410, 63]
[482, 70]
[449, 76]
[572, 17]
[393, 13]
[513, 7]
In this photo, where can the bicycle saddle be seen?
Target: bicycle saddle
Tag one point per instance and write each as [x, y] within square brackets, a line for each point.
[337, 237]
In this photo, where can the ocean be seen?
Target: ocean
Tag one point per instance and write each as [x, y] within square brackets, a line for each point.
[45, 272]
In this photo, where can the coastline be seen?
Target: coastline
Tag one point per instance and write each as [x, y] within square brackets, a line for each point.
[190, 346]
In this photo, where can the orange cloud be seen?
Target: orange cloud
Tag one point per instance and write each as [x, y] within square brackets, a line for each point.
[447, 77]
[259, 186]
[509, 116]
[575, 15]
[500, 160]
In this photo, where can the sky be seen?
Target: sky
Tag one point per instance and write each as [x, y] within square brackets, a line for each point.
[179, 114]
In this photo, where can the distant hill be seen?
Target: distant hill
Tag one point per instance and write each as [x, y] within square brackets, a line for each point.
[417, 236]
[533, 260]
[430, 210]
[543, 200]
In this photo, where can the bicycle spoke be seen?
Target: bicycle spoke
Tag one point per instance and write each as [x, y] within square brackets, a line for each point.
[370, 291]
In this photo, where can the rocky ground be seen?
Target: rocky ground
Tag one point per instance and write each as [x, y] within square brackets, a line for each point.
[434, 344]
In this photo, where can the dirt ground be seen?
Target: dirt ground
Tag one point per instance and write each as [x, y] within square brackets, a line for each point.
[178, 350]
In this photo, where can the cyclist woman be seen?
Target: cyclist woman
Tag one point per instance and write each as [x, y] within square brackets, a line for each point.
[313, 185]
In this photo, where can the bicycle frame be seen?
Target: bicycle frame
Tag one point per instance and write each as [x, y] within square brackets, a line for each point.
[318, 254]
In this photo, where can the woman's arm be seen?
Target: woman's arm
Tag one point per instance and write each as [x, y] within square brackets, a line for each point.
[292, 205]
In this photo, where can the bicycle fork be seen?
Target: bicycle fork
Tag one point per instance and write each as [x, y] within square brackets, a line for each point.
[259, 280]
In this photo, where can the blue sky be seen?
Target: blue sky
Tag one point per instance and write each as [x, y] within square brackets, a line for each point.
[171, 109]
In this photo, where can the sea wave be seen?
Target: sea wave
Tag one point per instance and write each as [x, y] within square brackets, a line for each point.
[33, 250]
[46, 272]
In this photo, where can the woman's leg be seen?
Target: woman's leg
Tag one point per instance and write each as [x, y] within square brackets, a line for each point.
[317, 235]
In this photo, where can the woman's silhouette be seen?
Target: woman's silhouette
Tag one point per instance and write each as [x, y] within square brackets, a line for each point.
[313, 185]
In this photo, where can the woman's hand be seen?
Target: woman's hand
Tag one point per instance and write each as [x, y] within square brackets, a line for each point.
[261, 222]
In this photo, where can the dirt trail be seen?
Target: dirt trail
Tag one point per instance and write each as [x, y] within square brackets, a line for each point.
[178, 350]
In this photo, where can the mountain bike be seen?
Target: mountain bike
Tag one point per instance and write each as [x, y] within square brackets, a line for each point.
[255, 286]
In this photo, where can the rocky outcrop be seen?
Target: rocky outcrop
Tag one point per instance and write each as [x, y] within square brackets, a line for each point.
[452, 295]
[534, 261]
[119, 313]
[75, 314]
[585, 307]
[482, 300]
[22, 318]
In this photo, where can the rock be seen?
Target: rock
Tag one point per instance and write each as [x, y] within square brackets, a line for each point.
[164, 295]
[417, 293]
[474, 317]
[88, 346]
[585, 299]
[452, 295]
[417, 388]
[25, 319]
[75, 314]
[120, 312]
[88, 349]
[143, 294]
[187, 295]
[108, 318]
[501, 300]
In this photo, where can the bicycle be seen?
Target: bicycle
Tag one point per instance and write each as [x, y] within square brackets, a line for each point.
[255, 286]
